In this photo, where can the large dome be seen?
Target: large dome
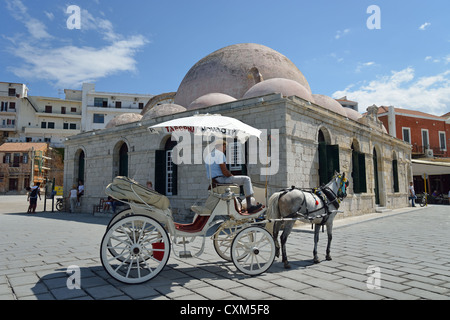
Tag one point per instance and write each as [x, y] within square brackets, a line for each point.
[235, 69]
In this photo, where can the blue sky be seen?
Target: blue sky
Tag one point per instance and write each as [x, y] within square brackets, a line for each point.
[147, 46]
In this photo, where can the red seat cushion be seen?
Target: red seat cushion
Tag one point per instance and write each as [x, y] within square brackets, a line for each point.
[196, 226]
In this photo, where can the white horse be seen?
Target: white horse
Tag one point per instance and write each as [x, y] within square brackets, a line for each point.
[318, 206]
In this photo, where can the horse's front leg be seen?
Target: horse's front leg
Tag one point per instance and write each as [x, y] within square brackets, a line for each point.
[330, 237]
[316, 240]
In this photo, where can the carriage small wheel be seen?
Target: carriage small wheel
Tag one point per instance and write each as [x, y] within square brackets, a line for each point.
[223, 238]
[135, 249]
[253, 250]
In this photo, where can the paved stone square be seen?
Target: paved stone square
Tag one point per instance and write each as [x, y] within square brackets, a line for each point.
[403, 254]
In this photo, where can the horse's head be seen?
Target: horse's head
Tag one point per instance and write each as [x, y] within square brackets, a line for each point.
[342, 184]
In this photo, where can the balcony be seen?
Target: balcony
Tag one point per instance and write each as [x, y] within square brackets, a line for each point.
[429, 151]
[8, 127]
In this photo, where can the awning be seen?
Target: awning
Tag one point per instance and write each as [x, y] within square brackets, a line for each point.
[431, 168]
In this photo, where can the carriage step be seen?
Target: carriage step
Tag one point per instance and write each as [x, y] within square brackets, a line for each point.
[185, 254]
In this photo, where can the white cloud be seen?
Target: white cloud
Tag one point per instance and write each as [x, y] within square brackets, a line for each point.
[45, 57]
[362, 65]
[402, 89]
[425, 26]
[340, 34]
[70, 66]
[35, 27]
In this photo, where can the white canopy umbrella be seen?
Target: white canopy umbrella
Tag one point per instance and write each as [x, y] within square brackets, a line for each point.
[208, 124]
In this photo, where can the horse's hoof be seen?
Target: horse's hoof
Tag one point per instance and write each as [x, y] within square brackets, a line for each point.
[329, 258]
[287, 265]
[316, 260]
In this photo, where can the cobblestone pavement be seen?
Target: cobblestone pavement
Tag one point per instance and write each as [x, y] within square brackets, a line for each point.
[403, 254]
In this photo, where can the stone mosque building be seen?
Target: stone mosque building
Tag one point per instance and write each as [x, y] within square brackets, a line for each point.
[264, 89]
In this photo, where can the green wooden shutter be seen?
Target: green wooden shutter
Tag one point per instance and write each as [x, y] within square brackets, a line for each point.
[362, 172]
[395, 173]
[355, 172]
[160, 171]
[332, 161]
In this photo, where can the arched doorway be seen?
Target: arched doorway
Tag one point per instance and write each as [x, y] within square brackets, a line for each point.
[123, 160]
[81, 166]
[166, 172]
[328, 157]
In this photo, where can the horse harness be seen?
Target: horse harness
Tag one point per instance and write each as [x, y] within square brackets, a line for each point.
[325, 194]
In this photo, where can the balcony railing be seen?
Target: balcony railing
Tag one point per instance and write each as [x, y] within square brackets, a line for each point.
[428, 150]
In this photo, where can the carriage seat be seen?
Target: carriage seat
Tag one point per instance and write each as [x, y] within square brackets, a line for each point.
[196, 226]
[221, 188]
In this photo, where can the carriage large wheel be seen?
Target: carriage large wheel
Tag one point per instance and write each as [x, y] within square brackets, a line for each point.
[135, 249]
[253, 250]
[223, 238]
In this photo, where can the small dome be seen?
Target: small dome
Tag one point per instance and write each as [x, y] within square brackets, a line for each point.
[163, 110]
[278, 85]
[353, 114]
[210, 99]
[330, 104]
[123, 118]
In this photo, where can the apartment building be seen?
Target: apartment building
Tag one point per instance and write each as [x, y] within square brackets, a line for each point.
[25, 118]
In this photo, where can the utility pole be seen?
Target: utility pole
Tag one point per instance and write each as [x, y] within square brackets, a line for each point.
[32, 167]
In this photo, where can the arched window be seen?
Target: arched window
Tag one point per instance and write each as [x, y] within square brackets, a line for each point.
[358, 169]
[395, 173]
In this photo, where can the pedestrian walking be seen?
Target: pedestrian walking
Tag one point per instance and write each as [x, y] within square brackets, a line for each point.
[412, 194]
[73, 198]
[33, 195]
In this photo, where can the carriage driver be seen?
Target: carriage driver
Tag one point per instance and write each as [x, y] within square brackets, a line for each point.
[216, 169]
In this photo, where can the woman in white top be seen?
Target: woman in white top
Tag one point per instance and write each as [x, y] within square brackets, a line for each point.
[73, 198]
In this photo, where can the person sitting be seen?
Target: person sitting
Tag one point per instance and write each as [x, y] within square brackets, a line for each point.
[107, 204]
[217, 171]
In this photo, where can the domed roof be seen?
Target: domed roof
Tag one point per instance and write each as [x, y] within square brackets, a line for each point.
[277, 85]
[123, 119]
[163, 110]
[210, 99]
[353, 114]
[235, 69]
[330, 104]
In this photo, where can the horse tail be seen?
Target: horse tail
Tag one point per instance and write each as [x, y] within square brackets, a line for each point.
[272, 210]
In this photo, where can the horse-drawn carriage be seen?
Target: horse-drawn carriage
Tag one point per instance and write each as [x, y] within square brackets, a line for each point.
[138, 240]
